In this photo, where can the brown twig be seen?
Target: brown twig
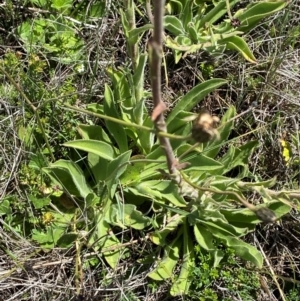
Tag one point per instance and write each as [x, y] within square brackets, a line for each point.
[6, 273]
[272, 273]
[155, 50]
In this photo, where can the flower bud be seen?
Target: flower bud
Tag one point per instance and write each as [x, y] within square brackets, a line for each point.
[204, 127]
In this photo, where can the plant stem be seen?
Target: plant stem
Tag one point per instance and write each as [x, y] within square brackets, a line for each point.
[122, 122]
[228, 10]
[132, 47]
[155, 50]
[268, 215]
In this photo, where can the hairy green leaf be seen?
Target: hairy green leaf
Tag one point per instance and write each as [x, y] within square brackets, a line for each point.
[116, 130]
[238, 156]
[128, 216]
[103, 238]
[246, 218]
[162, 189]
[158, 237]
[242, 249]
[165, 267]
[181, 285]
[115, 169]
[93, 132]
[98, 148]
[69, 175]
[67, 240]
[173, 25]
[135, 33]
[216, 13]
[239, 44]
[252, 15]
[204, 238]
[122, 91]
[138, 79]
[194, 96]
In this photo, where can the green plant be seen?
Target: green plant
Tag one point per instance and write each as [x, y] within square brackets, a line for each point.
[37, 91]
[121, 181]
[203, 25]
[293, 294]
[237, 280]
[55, 31]
[211, 214]
[55, 36]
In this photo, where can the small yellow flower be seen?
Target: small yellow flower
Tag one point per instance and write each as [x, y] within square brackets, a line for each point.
[47, 218]
[286, 151]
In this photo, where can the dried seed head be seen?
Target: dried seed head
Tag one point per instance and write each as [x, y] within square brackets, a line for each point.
[204, 127]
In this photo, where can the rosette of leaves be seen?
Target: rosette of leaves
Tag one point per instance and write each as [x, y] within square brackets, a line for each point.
[211, 25]
[120, 186]
[56, 29]
[54, 35]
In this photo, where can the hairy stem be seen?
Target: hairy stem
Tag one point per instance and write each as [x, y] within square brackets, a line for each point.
[122, 122]
[155, 50]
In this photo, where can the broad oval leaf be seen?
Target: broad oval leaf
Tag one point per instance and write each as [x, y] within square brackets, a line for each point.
[96, 147]
[252, 15]
[243, 249]
[165, 267]
[67, 240]
[70, 176]
[93, 132]
[133, 172]
[128, 216]
[199, 162]
[216, 223]
[162, 189]
[246, 218]
[238, 156]
[97, 164]
[103, 238]
[239, 44]
[204, 238]
[173, 25]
